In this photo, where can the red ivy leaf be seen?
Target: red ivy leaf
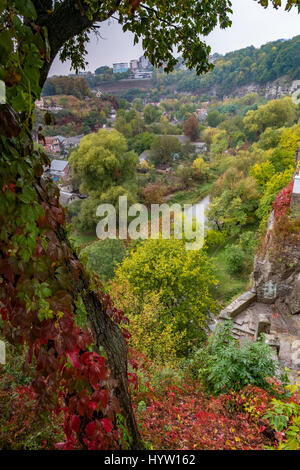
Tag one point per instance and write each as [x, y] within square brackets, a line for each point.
[106, 424]
[74, 357]
[75, 423]
[91, 429]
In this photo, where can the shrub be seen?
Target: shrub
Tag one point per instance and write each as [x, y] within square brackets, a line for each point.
[215, 238]
[235, 258]
[278, 182]
[153, 193]
[22, 425]
[248, 242]
[284, 419]
[223, 366]
[103, 257]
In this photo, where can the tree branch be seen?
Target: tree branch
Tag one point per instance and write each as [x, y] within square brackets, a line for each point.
[65, 22]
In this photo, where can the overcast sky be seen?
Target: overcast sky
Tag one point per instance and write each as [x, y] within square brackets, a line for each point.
[251, 25]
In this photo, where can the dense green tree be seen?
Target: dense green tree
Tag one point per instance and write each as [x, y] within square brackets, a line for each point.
[272, 188]
[104, 256]
[269, 138]
[219, 142]
[263, 172]
[142, 142]
[164, 148]
[234, 205]
[269, 62]
[67, 86]
[138, 104]
[151, 114]
[103, 160]
[87, 219]
[101, 70]
[275, 114]
[214, 118]
[282, 159]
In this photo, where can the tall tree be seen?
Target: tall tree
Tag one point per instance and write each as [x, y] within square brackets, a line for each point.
[191, 128]
[44, 289]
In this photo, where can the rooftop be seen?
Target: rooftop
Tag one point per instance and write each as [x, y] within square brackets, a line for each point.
[58, 165]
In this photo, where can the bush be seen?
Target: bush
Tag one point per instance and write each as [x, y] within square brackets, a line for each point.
[23, 426]
[248, 242]
[215, 238]
[103, 257]
[284, 418]
[223, 366]
[235, 258]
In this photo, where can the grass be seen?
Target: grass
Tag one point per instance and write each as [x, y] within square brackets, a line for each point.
[230, 285]
[191, 196]
[82, 239]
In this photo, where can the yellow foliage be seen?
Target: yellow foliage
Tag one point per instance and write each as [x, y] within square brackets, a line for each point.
[289, 140]
[198, 163]
[152, 336]
[150, 333]
[144, 165]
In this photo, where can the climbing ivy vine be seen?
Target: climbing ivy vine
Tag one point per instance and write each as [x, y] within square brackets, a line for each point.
[37, 264]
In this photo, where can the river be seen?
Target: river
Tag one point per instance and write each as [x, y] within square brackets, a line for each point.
[199, 208]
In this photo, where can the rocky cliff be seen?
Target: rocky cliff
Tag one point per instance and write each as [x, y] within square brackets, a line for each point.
[271, 90]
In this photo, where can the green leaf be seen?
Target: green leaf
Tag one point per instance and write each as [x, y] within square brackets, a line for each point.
[2, 5]
[6, 46]
[26, 8]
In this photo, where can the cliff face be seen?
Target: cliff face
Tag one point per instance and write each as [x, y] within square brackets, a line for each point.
[277, 276]
[276, 273]
[271, 90]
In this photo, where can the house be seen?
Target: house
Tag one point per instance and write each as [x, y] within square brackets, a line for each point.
[72, 142]
[60, 169]
[183, 139]
[57, 143]
[200, 147]
[112, 116]
[53, 109]
[47, 143]
[143, 63]
[201, 114]
[120, 67]
[142, 75]
[134, 64]
[53, 144]
[40, 104]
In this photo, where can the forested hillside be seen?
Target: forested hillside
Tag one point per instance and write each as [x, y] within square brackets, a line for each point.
[242, 67]
[259, 66]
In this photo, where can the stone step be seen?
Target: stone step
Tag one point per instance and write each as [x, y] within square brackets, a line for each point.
[238, 305]
[237, 328]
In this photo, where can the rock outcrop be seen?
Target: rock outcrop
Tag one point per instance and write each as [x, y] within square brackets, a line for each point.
[270, 90]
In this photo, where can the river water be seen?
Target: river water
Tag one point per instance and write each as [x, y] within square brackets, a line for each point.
[199, 208]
